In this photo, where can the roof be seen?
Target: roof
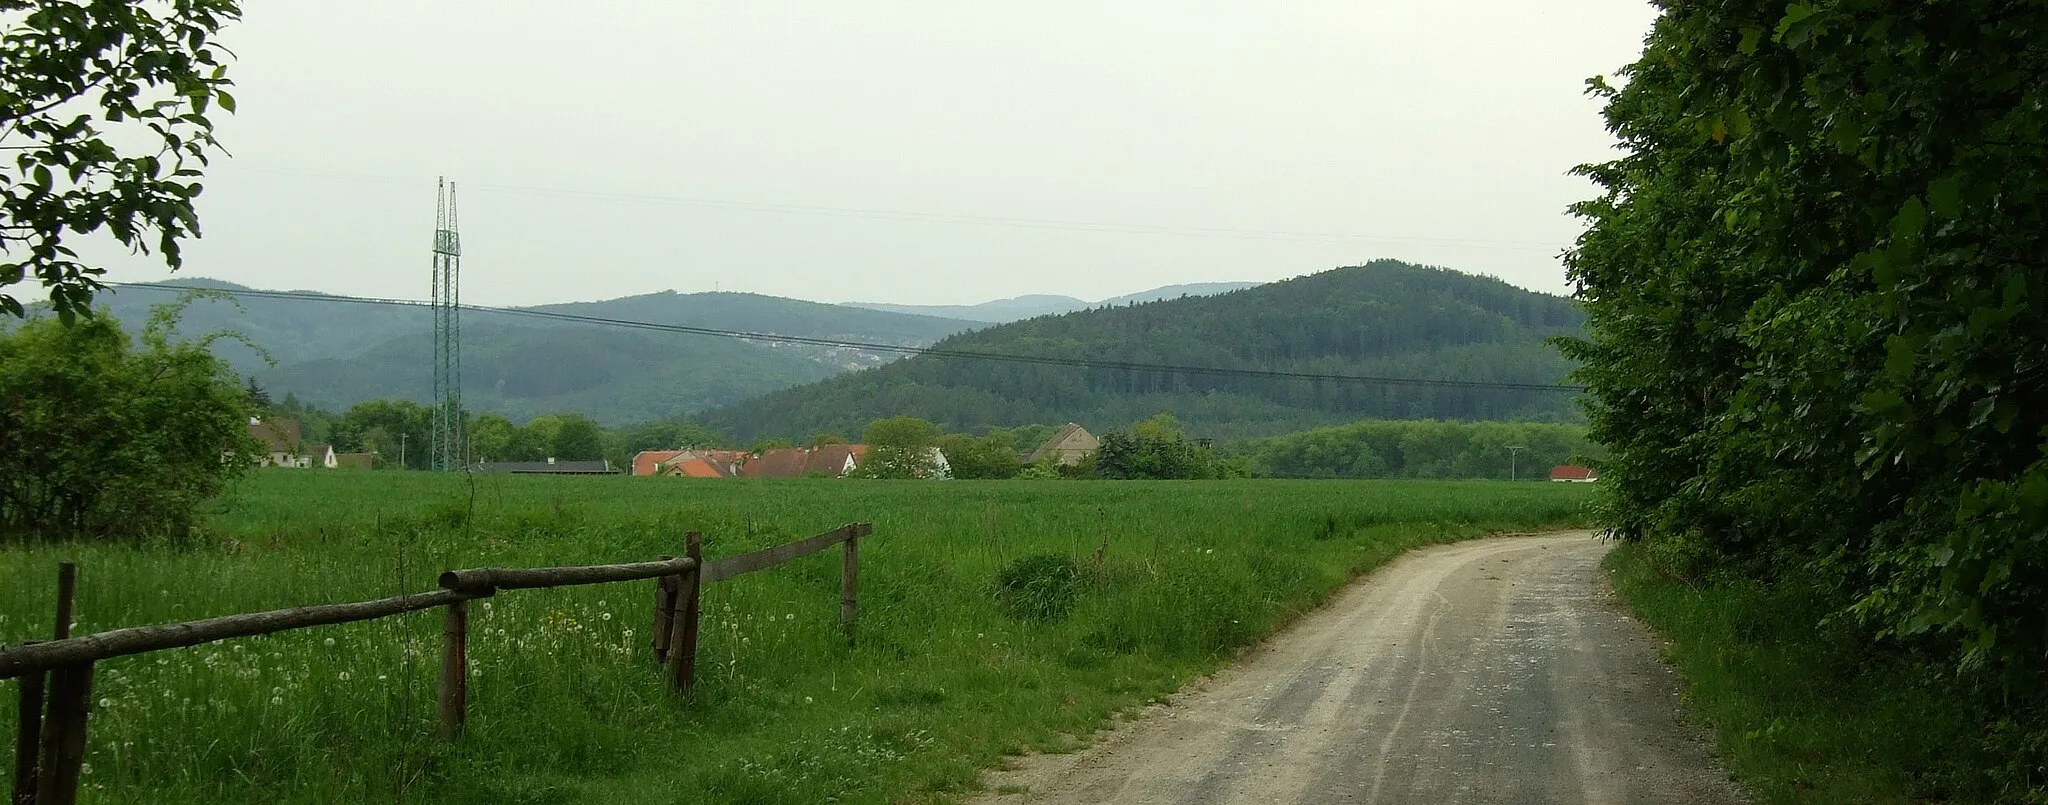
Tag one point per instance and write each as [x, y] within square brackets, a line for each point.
[279, 435]
[1568, 472]
[354, 461]
[695, 467]
[785, 462]
[546, 467]
[1053, 445]
[831, 459]
[648, 462]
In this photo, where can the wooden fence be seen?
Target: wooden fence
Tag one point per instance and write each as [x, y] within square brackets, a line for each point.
[56, 675]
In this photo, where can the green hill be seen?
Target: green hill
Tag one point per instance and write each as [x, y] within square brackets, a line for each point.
[1387, 319]
[334, 353]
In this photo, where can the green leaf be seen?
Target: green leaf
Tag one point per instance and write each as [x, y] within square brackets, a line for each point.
[43, 179]
[1945, 196]
[226, 101]
[1900, 354]
[1750, 36]
[1911, 220]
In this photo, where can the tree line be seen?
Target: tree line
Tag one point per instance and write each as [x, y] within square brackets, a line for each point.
[1818, 334]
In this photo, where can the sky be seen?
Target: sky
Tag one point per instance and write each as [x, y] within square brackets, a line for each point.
[916, 151]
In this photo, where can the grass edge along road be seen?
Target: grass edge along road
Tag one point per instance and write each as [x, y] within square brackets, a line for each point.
[1813, 714]
[952, 674]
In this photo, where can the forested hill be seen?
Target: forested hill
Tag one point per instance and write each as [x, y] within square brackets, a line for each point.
[1386, 319]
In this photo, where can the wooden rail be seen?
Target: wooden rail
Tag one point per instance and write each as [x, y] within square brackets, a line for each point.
[57, 674]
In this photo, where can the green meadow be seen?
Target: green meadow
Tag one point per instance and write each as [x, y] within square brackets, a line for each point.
[953, 671]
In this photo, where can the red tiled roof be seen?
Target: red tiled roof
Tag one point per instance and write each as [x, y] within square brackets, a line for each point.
[695, 467]
[1567, 472]
[645, 461]
[787, 462]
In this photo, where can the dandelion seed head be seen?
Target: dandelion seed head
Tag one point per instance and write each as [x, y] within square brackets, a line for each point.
[106, 703]
[329, 642]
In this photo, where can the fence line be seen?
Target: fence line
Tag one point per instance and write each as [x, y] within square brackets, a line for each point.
[56, 675]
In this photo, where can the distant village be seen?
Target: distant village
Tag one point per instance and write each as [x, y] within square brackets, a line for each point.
[284, 448]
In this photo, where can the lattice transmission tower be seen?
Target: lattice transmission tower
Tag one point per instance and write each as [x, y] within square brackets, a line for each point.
[448, 447]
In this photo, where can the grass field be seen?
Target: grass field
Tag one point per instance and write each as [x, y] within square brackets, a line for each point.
[565, 706]
[1814, 714]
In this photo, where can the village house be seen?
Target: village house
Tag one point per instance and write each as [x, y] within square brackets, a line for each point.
[282, 446]
[1067, 447]
[1567, 473]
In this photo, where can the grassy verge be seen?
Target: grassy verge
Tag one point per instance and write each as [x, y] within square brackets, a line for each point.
[1806, 710]
[565, 705]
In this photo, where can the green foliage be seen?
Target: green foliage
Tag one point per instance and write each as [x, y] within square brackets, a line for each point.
[1386, 319]
[993, 456]
[898, 447]
[1039, 587]
[102, 438]
[104, 107]
[400, 432]
[1154, 449]
[578, 439]
[1818, 332]
[1422, 449]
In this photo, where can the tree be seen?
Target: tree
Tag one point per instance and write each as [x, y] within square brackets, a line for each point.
[490, 437]
[400, 432]
[578, 439]
[899, 447]
[103, 106]
[1818, 310]
[993, 456]
[822, 438]
[103, 438]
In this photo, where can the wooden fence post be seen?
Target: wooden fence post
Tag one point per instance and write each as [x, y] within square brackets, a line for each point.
[665, 590]
[683, 642]
[849, 585]
[453, 702]
[69, 700]
[28, 738]
[64, 735]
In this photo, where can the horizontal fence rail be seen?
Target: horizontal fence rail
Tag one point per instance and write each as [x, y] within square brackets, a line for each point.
[48, 763]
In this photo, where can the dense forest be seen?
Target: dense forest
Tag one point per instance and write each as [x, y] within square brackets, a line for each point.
[1421, 449]
[1818, 337]
[1387, 319]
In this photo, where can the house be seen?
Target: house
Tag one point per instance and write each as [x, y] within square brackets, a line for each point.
[354, 461]
[282, 446]
[648, 462]
[548, 467]
[1567, 473]
[784, 462]
[702, 464]
[1067, 447]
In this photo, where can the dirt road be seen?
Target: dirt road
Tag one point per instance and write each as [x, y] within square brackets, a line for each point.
[1499, 670]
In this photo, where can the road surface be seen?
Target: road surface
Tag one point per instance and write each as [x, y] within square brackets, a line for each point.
[1494, 671]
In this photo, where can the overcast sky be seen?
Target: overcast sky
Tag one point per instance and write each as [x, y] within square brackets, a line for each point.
[916, 151]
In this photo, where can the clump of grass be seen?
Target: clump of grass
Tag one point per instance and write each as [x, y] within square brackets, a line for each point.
[566, 705]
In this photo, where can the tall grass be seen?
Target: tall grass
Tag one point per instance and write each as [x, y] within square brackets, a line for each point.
[565, 705]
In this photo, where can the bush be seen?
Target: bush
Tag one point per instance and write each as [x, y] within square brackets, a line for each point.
[102, 439]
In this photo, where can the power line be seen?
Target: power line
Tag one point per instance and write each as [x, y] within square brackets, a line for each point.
[944, 218]
[897, 349]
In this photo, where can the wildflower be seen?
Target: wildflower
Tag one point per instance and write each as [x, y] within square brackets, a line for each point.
[1211, 550]
[276, 701]
[629, 634]
[605, 616]
[807, 700]
[329, 642]
[487, 606]
[789, 617]
[343, 676]
[85, 768]
[106, 703]
[236, 648]
[382, 677]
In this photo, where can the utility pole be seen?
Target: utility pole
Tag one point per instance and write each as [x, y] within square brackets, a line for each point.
[448, 446]
[1514, 450]
[401, 451]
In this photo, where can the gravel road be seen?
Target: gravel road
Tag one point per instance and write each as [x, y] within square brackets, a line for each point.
[1499, 670]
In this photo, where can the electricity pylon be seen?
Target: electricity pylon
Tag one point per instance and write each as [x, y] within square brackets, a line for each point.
[447, 452]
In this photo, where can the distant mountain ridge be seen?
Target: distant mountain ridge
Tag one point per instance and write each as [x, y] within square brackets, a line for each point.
[333, 353]
[1018, 308]
[1385, 319]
